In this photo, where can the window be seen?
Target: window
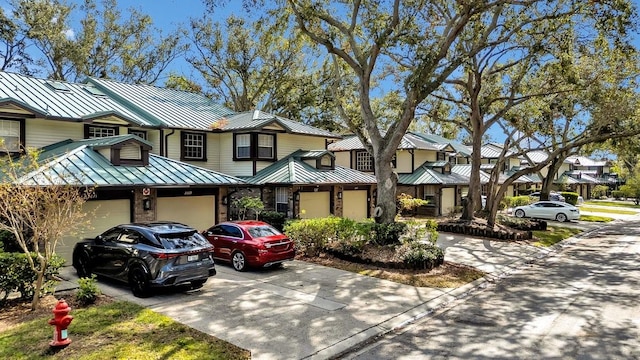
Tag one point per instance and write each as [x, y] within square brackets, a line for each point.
[440, 156]
[265, 146]
[10, 138]
[93, 131]
[193, 146]
[254, 146]
[282, 200]
[364, 162]
[243, 146]
[139, 133]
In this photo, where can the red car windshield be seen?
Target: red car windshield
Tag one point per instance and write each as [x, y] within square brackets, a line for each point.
[263, 231]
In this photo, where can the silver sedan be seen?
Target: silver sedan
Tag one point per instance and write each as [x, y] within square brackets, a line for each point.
[552, 210]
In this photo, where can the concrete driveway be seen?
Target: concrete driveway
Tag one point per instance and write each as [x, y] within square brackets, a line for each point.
[307, 311]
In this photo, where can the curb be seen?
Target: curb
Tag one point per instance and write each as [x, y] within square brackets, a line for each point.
[359, 341]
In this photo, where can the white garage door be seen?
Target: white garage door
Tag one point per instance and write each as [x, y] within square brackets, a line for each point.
[314, 204]
[448, 200]
[354, 204]
[106, 214]
[195, 211]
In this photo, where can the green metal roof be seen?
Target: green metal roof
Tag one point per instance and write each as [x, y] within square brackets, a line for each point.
[426, 174]
[168, 107]
[293, 170]
[458, 147]
[72, 103]
[78, 163]
[256, 120]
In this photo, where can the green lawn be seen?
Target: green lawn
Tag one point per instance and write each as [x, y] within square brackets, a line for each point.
[553, 235]
[607, 211]
[118, 330]
[613, 203]
[594, 218]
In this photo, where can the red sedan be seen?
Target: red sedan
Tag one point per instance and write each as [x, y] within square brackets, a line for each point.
[249, 243]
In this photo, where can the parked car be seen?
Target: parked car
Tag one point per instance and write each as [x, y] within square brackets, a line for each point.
[553, 210]
[249, 244]
[553, 196]
[147, 255]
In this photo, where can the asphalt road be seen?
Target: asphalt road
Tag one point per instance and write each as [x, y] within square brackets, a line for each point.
[581, 303]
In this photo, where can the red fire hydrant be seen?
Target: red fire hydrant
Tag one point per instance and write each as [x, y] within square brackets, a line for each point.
[61, 320]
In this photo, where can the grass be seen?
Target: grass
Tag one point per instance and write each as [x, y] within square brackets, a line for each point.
[553, 235]
[606, 211]
[613, 203]
[117, 330]
[594, 218]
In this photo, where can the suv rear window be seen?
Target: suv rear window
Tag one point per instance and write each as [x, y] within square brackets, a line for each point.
[184, 240]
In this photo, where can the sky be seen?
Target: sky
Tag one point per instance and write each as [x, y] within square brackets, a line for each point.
[169, 14]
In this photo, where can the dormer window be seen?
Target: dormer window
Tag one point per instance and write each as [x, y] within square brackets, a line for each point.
[96, 131]
[139, 133]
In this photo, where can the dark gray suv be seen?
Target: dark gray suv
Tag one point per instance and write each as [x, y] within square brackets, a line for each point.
[147, 255]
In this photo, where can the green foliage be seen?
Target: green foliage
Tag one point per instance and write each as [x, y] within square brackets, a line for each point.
[419, 254]
[276, 219]
[407, 203]
[88, 290]
[16, 275]
[311, 235]
[618, 194]
[387, 234]
[248, 204]
[570, 197]
[599, 191]
[513, 201]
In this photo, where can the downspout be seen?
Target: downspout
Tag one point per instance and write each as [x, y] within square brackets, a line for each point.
[166, 142]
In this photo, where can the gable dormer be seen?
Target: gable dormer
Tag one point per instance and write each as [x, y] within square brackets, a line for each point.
[319, 159]
[123, 150]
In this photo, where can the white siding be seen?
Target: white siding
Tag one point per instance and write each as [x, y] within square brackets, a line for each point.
[403, 162]
[343, 159]
[421, 156]
[39, 132]
[288, 143]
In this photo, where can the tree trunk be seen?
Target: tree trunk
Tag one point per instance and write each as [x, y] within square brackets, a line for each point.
[386, 199]
[39, 280]
[473, 197]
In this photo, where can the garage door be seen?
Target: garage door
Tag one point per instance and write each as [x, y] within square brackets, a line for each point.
[195, 211]
[106, 214]
[354, 204]
[448, 200]
[314, 204]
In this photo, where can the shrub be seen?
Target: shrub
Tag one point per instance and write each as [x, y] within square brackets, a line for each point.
[248, 204]
[513, 201]
[419, 254]
[88, 290]
[276, 219]
[570, 197]
[407, 203]
[311, 235]
[16, 274]
[599, 191]
[387, 234]
[618, 194]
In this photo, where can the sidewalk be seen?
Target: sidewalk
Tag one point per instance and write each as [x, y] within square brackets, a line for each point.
[307, 311]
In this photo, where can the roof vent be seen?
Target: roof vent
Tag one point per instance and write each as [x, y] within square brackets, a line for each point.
[58, 86]
[94, 91]
[256, 115]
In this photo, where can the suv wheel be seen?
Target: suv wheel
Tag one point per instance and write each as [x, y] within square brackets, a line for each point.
[83, 265]
[139, 282]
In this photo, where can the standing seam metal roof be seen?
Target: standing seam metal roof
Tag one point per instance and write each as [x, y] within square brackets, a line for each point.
[35, 95]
